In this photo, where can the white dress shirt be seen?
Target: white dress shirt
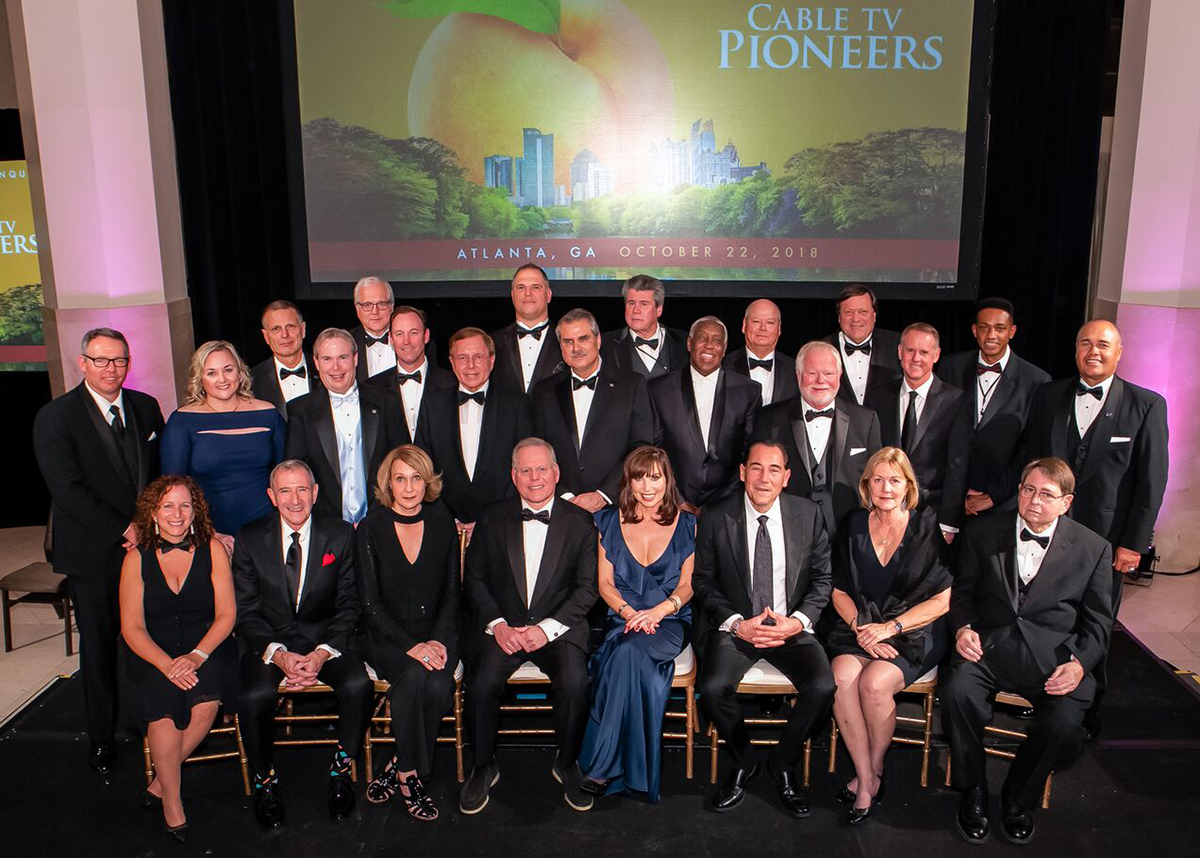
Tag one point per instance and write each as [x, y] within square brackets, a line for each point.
[410, 396]
[470, 421]
[531, 349]
[582, 400]
[705, 389]
[533, 538]
[379, 356]
[817, 430]
[292, 386]
[778, 560]
[922, 397]
[1029, 552]
[347, 430]
[856, 365]
[648, 355]
[104, 405]
[985, 384]
[286, 543]
[764, 377]
[1087, 407]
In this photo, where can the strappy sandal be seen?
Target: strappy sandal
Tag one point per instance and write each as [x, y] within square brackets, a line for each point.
[418, 802]
[384, 786]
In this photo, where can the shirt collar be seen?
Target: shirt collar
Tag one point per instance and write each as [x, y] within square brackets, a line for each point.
[482, 388]
[810, 406]
[922, 391]
[1003, 362]
[1104, 385]
[773, 514]
[423, 369]
[709, 380]
[845, 339]
[352, 391]
[657, 333]
[521, 326]
[547, 508]
[752, 356]
[1048, 532]
[103, 404]
[305, 531]
[279, 366]
[599, 363]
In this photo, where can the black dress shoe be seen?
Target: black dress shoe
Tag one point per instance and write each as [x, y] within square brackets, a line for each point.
[1016, 823]
[732, 792]
[474, 795]
[100, 757]
[594, 786]
[341, 796]
[572, 780]
[1091, 723]
[790, 795]
[268, 806]
[972, 821]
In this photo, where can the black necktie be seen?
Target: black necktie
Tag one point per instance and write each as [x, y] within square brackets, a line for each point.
[984, 368]
[1083, 390]
[577, 383]
[118, 425]
[850, 348]
[811, 415]
[373, 340]
[477, 396]
[405, 377]
[125, 442]
[1028, 535]
[762, 576]
[164, 545]
[536, 333]
[651, 343]
[300, 372]
[291, 568]
[910, 423]
[755, 363]
[542, 516]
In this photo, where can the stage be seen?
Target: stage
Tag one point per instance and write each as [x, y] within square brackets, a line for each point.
[1134, 792]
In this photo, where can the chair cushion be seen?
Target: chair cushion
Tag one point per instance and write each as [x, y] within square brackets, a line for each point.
[928, 676]
[685, 662]
[38, 577]
[763, 673]
[458, 672]
[529, 672]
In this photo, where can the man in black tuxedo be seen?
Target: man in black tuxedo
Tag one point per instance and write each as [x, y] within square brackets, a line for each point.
[479, 423]
[297, 600]
[343, 430]
[1032, 612]
[373, 303]
[762, 578]
[530, 580]
[761, 360]
[97, 447]
[288, 372]
[867, 354]
[928, 420]
[999, 386]
[703, 417]
[414, 376]
[643, 345]
[828, 440]
[525, 350]
[593, 415]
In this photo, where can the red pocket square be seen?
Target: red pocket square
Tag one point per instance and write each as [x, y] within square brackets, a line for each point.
[328, 560]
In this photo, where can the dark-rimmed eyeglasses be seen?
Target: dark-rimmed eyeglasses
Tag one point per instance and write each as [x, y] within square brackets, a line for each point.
[102, 362]
[374, 305]
[1042, 495]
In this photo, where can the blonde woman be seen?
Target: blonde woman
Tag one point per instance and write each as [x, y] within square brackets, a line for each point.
[225, 439]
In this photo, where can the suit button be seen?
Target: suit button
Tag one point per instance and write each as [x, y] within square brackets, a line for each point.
[820, 502]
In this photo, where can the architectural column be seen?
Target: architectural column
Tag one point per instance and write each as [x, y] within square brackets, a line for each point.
[96, 119]
[1149, 273]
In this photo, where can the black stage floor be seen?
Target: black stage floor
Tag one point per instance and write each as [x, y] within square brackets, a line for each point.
[1133, 793]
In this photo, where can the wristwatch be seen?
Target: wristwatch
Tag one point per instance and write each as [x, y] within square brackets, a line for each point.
[899, 626]
[733, 627]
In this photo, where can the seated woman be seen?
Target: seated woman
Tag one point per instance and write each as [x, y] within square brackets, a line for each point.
[408, 575]
[645, 576]
[225, 439]
[177, 610]
[889, 586]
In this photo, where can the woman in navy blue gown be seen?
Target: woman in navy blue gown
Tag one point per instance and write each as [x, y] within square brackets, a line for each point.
[645, 569]
[225, 439]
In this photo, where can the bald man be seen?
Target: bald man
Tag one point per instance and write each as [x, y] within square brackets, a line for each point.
[1113, 434]
[774, 371]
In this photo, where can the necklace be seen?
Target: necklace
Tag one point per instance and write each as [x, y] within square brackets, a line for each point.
[888, 530]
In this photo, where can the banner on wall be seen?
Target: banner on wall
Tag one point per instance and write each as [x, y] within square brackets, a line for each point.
[451, 140]
[22, 346]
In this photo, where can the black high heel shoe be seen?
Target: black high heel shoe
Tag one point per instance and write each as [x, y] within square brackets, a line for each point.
[178, 832]
[845, 796]
[859, 815]
[150, 801]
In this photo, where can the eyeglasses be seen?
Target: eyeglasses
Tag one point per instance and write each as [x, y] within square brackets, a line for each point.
[1042, 495]
[374, 305]
[102, 362]
[540, 470]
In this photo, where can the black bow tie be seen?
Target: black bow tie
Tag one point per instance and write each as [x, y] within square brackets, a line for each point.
[183, 545]
[651, 343]
[542, 516]
[1027, 535]
[850, 348]
[477, 396]
[811, 415]
[299, 372]
[403, 377]
[1083, 390]
[984, 368]
[536, 333]
[373, 340]
[577, 383]
[755, 363]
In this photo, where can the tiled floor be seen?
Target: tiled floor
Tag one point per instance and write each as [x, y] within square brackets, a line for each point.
[1165, 616]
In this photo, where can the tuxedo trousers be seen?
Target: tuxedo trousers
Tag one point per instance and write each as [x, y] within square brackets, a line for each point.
[487, 680]
[346, 675]
[801, 659]
[98, 619]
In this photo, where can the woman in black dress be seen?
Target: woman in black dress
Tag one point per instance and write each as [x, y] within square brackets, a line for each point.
[890, 586]
[408, 573]
[177, 610]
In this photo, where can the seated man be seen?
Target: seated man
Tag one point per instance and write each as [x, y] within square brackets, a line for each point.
[530, 580]
[1032, 609]
[762, 579]
[297, 604]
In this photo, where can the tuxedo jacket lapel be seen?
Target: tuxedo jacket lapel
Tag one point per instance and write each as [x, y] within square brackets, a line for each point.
[514, 352]
[312, 564]
[605, 391]
[841, 433]
[369, 415]
[1001, 392]
[273, 549]
[716, 422]
[1006, 557]
[692, 410]
[735, 531]
[1063, 422]
[562, 392]
[1102, 427]
[106, 437]
[791, 551]
[556, 537]
[934, 403]
[1058, 551]
[514, 537]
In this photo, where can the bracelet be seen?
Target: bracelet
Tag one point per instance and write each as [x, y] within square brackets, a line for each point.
[197, 651]
[677, 602]
[624, 605]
